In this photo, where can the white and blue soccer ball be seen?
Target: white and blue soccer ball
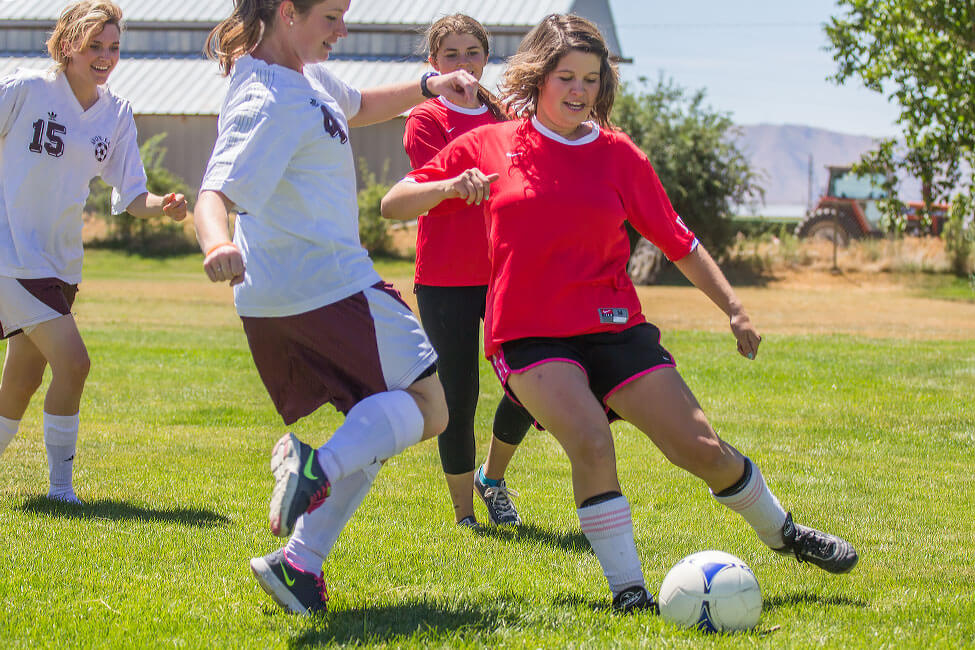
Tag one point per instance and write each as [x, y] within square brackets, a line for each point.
[713, 591]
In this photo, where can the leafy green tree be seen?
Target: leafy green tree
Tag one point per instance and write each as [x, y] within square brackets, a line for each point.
[693, 150]
[920, 54]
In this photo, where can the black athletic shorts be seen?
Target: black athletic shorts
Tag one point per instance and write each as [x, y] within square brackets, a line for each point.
[610, 359]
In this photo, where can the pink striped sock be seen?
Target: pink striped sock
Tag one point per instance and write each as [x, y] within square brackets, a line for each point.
[609, 528]
[759, 507]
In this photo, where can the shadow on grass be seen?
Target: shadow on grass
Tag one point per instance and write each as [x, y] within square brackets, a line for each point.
[566, 541]
[433, 622]
[805, 598]
[120, 510]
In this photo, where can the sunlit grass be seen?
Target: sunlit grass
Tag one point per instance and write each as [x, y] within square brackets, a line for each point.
[870, 438]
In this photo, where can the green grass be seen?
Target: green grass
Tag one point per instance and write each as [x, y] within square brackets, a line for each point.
[872, 439]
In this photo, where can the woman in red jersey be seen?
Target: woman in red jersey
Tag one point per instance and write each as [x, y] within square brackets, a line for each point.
[451, 278]
[564, 328]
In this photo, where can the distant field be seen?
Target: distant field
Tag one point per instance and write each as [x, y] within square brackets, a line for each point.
[859, 410]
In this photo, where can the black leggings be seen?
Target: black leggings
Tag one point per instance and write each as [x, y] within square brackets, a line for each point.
[452, 317]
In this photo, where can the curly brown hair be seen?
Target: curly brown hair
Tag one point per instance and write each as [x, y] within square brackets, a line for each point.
[78, 24]
[538, 55]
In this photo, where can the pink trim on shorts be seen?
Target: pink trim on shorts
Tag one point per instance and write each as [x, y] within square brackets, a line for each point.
[503, 372]
[634, 378]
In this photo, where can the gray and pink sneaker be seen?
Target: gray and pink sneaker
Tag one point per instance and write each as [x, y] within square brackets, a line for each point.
[300, 485]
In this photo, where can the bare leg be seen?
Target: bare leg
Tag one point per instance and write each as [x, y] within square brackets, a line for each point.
[662, 406]
[60, 344]
[461, 494]
[23, 371]
[582, 430]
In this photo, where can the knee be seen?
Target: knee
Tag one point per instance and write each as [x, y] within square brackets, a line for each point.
[593, 451]
[73, 368]
[429, 397]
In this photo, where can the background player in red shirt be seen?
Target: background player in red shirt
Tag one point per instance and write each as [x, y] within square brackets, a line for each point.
[564, 328]
[451, 278]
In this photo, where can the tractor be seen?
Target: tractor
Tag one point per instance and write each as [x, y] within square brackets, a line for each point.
[849, 210]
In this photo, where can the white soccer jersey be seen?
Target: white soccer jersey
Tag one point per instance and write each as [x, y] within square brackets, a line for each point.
[283, 157]
[50, 150]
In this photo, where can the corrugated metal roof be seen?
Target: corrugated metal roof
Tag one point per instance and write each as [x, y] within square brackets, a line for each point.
[415, 12]
[195, 87]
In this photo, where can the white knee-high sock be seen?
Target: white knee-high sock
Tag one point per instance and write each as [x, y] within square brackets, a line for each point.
[609, 528]
[8, 429]
[61, 440]
[316, 532]
[758, 506]
[377, 428]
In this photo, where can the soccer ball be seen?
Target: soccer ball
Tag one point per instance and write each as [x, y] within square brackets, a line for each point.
[712, 591]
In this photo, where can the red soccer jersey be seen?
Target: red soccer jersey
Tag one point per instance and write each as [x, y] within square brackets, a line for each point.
[451, 252]
[559, 247]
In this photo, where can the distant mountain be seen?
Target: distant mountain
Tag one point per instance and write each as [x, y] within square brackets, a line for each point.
[781, 153]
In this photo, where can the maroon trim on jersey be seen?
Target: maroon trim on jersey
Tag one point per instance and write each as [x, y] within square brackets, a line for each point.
[53, 292]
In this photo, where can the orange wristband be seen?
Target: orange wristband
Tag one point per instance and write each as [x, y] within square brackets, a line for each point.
[223, 243]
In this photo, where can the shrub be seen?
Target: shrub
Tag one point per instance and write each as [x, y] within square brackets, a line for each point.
[959, 235]
[373, 228]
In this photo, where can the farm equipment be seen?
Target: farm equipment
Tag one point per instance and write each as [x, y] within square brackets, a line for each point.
[850, 210]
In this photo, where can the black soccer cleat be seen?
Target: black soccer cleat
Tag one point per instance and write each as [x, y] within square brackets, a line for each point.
[300, 485]
[633, 599]
[293, 589]
[828, 552]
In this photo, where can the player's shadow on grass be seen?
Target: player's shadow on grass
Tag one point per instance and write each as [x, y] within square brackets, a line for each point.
[805, 598]
[120, 510]
[564, 540]
[437, 622]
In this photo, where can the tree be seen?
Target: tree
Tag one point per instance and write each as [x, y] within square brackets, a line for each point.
[693, 150]
[920, 54]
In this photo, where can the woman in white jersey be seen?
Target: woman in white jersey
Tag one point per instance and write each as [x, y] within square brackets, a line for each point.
[321, 324]
[564, 326]
[59, 129]
[452, 270]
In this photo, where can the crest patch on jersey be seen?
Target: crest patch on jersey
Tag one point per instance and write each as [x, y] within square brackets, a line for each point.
[614, 315]
[101, 147]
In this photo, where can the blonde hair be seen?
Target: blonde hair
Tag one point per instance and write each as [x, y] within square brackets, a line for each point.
[539, 53]
[240, 33]
[78, 24]
[464, 24]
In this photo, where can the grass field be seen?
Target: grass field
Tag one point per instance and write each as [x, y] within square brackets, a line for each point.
[872, 438]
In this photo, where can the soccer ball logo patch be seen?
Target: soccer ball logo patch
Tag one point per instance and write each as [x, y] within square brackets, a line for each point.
[101, 148]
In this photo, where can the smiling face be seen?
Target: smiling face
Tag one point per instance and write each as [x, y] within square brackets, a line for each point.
[460, 52]
[567, 95]
[92, 63]
[314, 33]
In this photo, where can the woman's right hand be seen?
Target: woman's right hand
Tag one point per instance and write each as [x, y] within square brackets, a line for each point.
[224, 262]
[472, 186]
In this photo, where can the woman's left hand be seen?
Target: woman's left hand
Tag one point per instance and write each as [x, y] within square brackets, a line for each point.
[748, 337]
[458, 87]
[174, 206]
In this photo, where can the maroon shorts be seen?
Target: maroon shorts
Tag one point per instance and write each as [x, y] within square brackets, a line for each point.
[56, 294]
[341, 353]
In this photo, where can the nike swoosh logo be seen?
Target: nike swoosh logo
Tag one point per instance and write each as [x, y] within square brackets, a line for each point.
[309, 471]
[449, 130]
[288, 580]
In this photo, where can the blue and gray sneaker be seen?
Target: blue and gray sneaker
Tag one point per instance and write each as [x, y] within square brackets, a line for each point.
[498, 500]
[293, 589]
[828, 552]
[300, 485]
[633, 599]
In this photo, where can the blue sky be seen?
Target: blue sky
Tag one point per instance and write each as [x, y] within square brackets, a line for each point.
[763, 61]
